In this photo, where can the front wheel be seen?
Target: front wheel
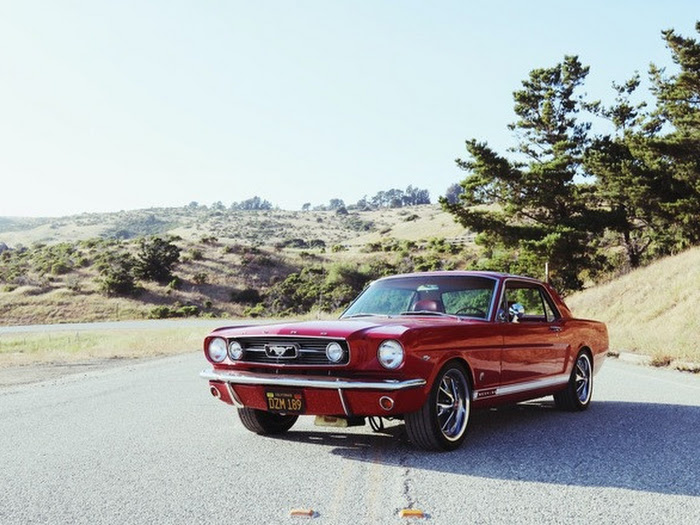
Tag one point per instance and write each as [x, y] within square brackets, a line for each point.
[577, 394]
[441, 423]
[265, 423]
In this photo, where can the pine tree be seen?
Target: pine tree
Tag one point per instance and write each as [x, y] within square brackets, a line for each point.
[627, 186]
[536, 209]
[678, 151]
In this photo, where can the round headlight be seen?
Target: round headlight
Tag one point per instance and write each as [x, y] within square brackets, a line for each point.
[217, 349]
[235, 350]
[390, 354]
[334, 352]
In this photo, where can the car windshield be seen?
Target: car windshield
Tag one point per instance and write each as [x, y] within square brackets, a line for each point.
[468, 296]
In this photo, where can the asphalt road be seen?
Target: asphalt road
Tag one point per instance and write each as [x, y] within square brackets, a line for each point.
[146, 443]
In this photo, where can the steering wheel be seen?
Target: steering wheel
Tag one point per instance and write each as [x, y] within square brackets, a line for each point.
[467, 310]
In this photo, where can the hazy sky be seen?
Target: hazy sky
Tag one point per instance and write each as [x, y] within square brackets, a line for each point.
[111, 105]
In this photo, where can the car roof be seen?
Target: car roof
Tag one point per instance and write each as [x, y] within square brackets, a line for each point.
[462, 273]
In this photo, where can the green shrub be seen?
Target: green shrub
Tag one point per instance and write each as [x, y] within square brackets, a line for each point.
[188, 311]
[60, 268]
[156, 259]
[118, 277]
[160, 312]
[166, 312]
[255, 311]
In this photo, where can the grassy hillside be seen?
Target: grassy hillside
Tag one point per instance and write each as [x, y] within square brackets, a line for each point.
[650, 310]
[228, 261]
[247, 227]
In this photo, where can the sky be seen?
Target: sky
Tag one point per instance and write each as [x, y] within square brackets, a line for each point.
[120, 105]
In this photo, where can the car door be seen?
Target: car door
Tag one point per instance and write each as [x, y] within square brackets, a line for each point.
[534, 346]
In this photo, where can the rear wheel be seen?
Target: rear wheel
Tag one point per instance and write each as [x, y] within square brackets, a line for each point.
[441, 423]
[577, 394]
[264, 423]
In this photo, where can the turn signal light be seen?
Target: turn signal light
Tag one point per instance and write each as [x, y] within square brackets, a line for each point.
[386, 403]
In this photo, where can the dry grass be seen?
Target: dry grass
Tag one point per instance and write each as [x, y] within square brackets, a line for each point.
[651, 311]
[411, 224]
[65, 347]
[217, 259]
[244, 227]
[26, 305]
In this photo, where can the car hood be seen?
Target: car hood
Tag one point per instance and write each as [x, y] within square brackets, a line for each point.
[345, 328]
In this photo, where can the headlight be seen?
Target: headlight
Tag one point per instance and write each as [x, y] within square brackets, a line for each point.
[235, 350]
[390, 354]
[217, 349]
[334, 352]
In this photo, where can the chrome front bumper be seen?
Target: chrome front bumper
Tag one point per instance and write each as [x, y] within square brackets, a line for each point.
[331, 383]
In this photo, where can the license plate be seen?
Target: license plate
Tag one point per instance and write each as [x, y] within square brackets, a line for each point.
[287, 401]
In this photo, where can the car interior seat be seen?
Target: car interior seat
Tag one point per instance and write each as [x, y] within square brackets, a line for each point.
[428, 305]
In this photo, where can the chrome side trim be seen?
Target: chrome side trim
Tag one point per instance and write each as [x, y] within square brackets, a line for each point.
[507, 390]
[250, 378]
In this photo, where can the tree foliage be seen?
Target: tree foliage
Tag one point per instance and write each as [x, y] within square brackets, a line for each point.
[252, 204]
[156, 259]
[532, 205]
[118, 278]
[324, 288]
[396, 198]
[453, 192]
[563, 193]
[678, 151]
[647, 171]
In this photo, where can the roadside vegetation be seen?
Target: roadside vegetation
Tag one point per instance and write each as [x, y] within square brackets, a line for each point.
[587, 206]
[650, 311]
[267, 263]
[61, 346]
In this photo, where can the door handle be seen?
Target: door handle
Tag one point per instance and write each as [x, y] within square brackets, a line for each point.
[555, 328]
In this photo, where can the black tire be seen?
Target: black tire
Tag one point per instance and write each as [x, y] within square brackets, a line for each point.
[265, 423]
[579, 390]
[442, 421]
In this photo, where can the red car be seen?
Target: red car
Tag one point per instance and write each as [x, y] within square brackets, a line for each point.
[424, 347]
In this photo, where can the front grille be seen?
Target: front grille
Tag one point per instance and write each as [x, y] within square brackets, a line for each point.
[308, 351]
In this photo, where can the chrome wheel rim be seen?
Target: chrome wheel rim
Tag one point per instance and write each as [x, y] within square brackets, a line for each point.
[582, 380]
[453, 405]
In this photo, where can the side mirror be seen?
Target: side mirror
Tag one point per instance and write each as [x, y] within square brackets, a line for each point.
[516, 311]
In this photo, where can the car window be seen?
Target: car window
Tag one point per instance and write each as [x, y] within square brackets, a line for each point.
[430, 294]
[475, 302]
[390, 302]
[548, 310]
[534, 300]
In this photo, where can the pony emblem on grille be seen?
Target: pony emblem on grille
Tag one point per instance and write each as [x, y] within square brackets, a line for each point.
[290, 351]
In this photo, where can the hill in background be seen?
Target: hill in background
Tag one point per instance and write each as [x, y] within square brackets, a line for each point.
[262, 228]
[229, 259]
[650, 310]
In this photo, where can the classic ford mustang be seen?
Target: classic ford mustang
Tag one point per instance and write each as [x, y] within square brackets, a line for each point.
[424, 347]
